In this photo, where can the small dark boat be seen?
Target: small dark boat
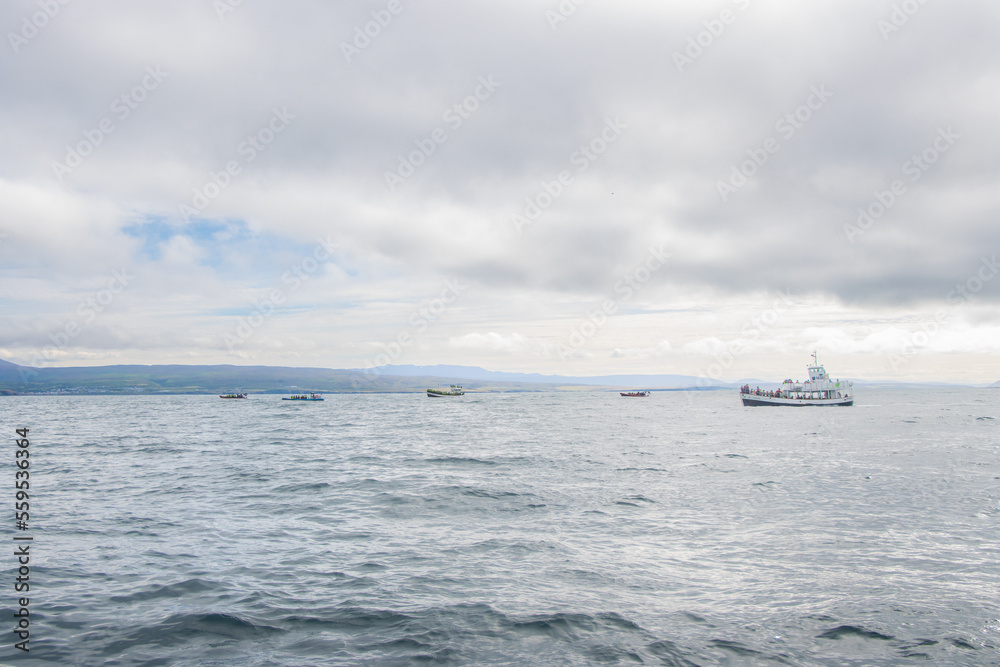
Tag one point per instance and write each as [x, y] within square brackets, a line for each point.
[233, 396]
[634, 394]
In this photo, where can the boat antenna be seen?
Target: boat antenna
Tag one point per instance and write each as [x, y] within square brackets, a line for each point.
[815, 361]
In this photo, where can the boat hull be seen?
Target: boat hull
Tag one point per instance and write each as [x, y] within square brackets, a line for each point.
[752, 400]
[440, 394]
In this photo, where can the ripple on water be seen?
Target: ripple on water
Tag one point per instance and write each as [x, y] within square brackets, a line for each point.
[519, 529]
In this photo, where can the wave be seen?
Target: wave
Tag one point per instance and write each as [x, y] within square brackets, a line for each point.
[179, 629]
[635, 500]
[461, 460]
[566, 624]
[483, 493]
[744, 651]
[177, 590]
[842, 631]
[298, 488]
[521, 546]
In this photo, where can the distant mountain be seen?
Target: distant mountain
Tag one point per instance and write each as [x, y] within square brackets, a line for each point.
[180, 379]
[226, 378]
[167, 379]
[625, 381]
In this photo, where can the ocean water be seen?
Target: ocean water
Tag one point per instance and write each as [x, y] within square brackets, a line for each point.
[509, 529]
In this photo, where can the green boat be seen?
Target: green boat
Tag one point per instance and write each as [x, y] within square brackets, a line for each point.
[456, 390]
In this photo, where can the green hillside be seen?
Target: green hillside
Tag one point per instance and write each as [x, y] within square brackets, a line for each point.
[180, 379]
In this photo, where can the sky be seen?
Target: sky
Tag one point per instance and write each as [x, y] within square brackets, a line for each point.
[578, 187]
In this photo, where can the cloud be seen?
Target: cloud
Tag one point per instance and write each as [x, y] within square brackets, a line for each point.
[492, 341]
[350, 121]
[661, 349]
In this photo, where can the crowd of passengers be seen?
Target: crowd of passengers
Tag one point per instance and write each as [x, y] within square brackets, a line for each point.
[760, 392]
[777, 393]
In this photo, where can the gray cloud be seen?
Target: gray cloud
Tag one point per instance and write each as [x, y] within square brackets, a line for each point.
[325, 173]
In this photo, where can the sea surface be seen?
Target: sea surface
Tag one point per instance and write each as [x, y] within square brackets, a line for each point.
[508, 529]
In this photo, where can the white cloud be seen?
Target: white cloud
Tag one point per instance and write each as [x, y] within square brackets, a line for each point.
[492, 341]
[659, 350]
[324, 175]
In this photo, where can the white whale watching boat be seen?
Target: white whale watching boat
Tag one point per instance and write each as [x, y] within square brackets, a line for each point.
[819, 389]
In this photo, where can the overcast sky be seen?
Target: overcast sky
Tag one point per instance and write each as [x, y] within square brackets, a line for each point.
[705, 188]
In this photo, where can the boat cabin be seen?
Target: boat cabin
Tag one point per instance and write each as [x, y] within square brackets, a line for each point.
[817, 373]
